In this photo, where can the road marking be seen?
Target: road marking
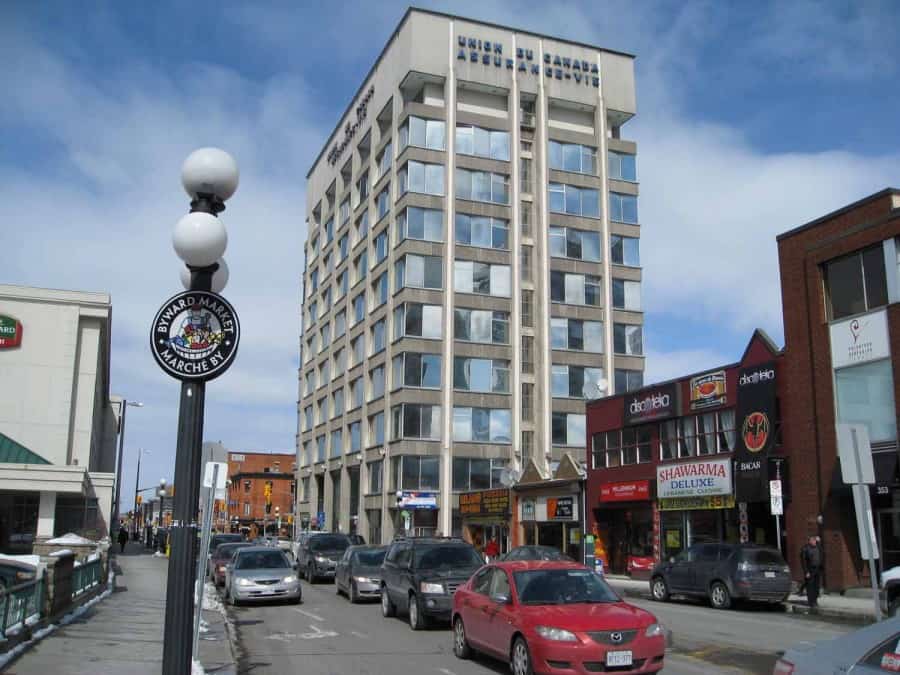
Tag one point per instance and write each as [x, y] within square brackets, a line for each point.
[317, 633]
[359, 635]
[312, 616]
[445, 671]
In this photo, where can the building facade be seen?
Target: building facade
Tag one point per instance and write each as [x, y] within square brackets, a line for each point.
[57, 425]
[472, 272]
[840, 289]
[252, 476]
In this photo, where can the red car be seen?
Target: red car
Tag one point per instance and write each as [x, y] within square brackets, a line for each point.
[553, 617]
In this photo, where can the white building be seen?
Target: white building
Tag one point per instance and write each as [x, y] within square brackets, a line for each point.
[57, 424]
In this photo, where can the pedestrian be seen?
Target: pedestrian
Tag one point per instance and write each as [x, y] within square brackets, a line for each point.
[492, 550]
[123, 538]
[811, 560]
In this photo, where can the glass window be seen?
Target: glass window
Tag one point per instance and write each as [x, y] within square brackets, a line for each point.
[340, 363]
[419, 473]
[628, 380]
[625, 250]
[384, 160]
[627, 339]
[566, 242]
[379, 291]
[417, 271]
[422, 178]
[375, 470]
[308, 418]
[320, 448]
[383, 201]
[576, 381]
[568, 429]
[476, 474]
[344, 215]
[337, 443]
[482, 375]
[482, 186]
[575, 289]
[573, 157]
[856, 283]
[359, 308]
[338, 398]
[422, 133]
[362, 188]
[480, 142]
[362, 227]
[356, 347]
[623, 208]
[376, 429]
[481, 278]
[483, 425]
[355, 437]
[626, 294]
[414, 420]
[356, 392]
[586, 336]
[865, 395]
[574, 200]
[380, 246]
[481, 326]
[377, 333]
[418, 223]
[376, 382]
[361, 265]
[343, 247]
[482, 231]
[411, 369]
[413, 319]
[622, 166]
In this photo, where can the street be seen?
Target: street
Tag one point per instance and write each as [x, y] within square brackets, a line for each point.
[328, 635]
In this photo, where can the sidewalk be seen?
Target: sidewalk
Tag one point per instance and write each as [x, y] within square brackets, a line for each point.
[847, 608]
[123, 634]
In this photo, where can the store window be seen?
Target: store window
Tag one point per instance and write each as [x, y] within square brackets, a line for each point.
[856, 283]
[865, 395]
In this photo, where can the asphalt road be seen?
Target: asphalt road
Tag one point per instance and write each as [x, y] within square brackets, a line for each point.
[326, 635]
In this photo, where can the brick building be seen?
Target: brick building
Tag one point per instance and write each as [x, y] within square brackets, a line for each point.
[840, 292]
[250, 473]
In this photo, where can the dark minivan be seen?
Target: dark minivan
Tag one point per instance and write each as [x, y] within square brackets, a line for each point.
[723, 573]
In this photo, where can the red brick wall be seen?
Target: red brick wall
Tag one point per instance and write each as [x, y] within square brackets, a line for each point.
[253, 468]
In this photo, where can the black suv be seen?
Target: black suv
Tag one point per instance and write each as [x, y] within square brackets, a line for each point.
[420, 575]
[318, 556]
[723, 572]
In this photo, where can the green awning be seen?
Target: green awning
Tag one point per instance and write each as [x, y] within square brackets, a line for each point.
[15, 453]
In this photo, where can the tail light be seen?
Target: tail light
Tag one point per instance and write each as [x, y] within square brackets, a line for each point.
[783, 667]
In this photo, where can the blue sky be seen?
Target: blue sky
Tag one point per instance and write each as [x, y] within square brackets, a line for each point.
[753, 118]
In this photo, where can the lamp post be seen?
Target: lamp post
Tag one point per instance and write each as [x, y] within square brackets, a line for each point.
[137, 480]
[194, 338]
[123, 408]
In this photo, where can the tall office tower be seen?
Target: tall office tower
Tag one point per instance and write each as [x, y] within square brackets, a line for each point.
[472, 272]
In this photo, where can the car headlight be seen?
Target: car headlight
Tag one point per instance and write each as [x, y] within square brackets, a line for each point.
[428, 587]
[556, 634]
[289, 579]
[244, 582]
[366, 580]
[321, 559]
[655, 630]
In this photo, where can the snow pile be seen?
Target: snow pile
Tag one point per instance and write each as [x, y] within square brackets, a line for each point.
[33, 560]
[71, 539]
[211, 599]
[196, 668]
[157, 554]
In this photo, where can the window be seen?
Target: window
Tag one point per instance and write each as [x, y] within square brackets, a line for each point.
[377, 337]
[626, 294]
[480, 142]
[856, 283]
[418, 271]
[380, 246]
[525, 257]
[482, 231]
[356, 393]
[410, 369]
[568, 429]
[343, 215]
[627, 339]
[380, 291]
[314, 281]
[384, 160]
[621, 166]
[375, 470]
[320, 448]
[482, 425]
[362, 227]
[525, 217]
[414, 420]
[418, 223]
[338, 399]
[486, 326]
[313, 312]
[362, 188]
[310, 382]
[422, 133]
[340, 363]
[566, 242]
[482, 186]
[481, 375]
[623, 208]
[417, 473]
[383, 202]
[582, 336]
[308, 418]
[476, 474]
[865, 395]
[525, 175]
[246, 508]
[527, 354]
[343, 284]
[357, 350]
[619, 448]
[628, 380]
[359, 308]
[527, 444]
[574, 200]
[573, 157]
[376, 429]
[323, 410]
[355, 438]
[528, 308]
[324, 373]
[527, 402]
[422, 178]
[340, 324]
[361, 266]
[337, 443]
[376, 383]
[413, 319]
[481, 278]
[575, 289]
[576, 381]
[625, 250]
[327, 266]
[705, 434]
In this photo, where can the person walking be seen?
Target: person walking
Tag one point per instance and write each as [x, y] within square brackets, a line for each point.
[492, 550]
[811, 560]
[123, 538]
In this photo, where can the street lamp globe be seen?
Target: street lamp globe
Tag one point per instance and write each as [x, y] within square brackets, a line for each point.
[219, 277]
[200, 239]
[210, 171]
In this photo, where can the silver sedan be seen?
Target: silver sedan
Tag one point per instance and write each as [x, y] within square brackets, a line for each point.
[873, 649]
[259, 573]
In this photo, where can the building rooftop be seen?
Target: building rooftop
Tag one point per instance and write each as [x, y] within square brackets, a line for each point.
[891, 191]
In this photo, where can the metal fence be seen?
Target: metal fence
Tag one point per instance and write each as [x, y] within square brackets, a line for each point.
[21, 605]
[86, 577]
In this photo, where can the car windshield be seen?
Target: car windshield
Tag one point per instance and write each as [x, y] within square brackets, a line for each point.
[436, 557]
[764, 556]
[261, 560]
[223, 538]
[224, 551]
[372, 558]
[538, 553]
[328, 542]
[562, 587]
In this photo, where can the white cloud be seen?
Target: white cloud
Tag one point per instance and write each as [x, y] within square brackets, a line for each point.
[674, 363]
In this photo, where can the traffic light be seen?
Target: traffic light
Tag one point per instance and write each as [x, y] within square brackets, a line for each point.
[277, 510]
[139, 500]
[268, 491]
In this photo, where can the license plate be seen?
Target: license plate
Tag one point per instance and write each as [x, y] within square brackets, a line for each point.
[618, 658]
[770, 575]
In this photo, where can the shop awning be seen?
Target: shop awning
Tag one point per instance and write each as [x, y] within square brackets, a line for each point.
[16, 453]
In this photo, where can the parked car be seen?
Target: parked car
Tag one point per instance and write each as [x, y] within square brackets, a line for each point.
[260, 573]
[15, 572]
[220, 558]
[539, 615]
[224, 538]
[357, 539]
[284, 543]
[319, 556]
[723, 573]
[873, 649]
[890, 591]
[358, 572]
[420, 575]
[534, 553]
[302, 540]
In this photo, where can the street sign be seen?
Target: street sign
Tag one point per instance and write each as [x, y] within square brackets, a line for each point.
[855, 453]
[220, 478]
[776, 499]
[865, 524]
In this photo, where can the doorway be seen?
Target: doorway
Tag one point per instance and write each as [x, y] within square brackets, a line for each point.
[888, 538]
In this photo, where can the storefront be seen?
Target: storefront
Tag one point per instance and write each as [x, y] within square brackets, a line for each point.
[485, 518]
[625, 527]
[416, 514]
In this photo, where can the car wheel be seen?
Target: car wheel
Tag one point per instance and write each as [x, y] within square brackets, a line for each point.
[659, 589]
[354, 593]
[719, 597]
[460, 643]
[417, 620]
[520, 661]
[387, 607]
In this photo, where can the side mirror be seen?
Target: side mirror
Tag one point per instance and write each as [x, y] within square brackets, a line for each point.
[501, 599]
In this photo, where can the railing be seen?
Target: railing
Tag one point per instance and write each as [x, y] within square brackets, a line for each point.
[21, 605]
[86, 576]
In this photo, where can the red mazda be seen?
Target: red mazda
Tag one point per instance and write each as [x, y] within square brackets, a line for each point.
[554, 617]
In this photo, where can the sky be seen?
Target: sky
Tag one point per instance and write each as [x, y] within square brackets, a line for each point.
[753, 118]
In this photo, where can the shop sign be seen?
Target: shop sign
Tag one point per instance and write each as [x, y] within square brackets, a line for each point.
[696, 503]
[484, 503]
[416, 500]
[859, 340]
[708, 391]
[648, 405]
[528, 509]
[755, 420]
[10, 332]
[560, 508]
[694, 479]
[630, 491]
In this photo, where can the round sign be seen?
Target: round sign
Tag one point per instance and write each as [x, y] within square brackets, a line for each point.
[195, 335]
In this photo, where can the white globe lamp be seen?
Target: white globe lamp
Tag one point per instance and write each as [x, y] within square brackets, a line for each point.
[210, 171]
[200, 239]
[219, 278]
